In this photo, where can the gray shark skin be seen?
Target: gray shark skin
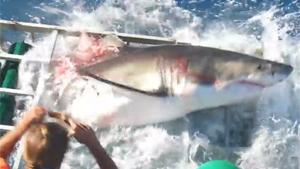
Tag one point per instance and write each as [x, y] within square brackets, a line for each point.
[178, 79]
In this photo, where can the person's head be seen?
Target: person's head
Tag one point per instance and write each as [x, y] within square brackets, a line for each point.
[45, 146]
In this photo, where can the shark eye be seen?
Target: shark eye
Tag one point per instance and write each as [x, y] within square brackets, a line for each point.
[259, 67]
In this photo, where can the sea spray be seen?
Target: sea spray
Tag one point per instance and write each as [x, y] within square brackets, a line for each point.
[165, 18]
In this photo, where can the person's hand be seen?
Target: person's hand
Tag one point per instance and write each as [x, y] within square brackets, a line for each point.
[35, 115]
[60, 116]
[83, 133]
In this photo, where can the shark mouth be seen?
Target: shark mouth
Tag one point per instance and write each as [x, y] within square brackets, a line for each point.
[251, 83]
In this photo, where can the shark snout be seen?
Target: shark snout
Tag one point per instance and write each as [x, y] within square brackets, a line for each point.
[270, 75]
[282, 71]
[287, 69]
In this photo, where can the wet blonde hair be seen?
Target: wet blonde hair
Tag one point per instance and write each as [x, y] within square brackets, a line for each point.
[45, 146]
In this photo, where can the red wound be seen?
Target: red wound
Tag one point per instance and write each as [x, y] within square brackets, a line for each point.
[182, 65]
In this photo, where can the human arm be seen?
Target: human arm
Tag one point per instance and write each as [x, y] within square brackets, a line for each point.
[85, 135]
[8, 141]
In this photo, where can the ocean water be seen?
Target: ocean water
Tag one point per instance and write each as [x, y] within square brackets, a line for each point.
[263, 134]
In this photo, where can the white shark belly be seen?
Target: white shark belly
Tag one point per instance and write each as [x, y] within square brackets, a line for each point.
[144, 109]
[204, 97]
[117, 106]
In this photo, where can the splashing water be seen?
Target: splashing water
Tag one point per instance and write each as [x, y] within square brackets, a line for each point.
[267, 129]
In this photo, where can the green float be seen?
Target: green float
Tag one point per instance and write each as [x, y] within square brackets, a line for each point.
[9, 79]
[218, 164]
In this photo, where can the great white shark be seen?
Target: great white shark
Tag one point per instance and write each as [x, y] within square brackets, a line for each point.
[166, 82]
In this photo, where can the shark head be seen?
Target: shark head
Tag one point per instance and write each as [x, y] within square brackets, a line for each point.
[216, 77]
[220, 67]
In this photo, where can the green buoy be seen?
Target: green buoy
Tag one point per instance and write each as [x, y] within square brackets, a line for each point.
[9, 79]
[218, 164]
